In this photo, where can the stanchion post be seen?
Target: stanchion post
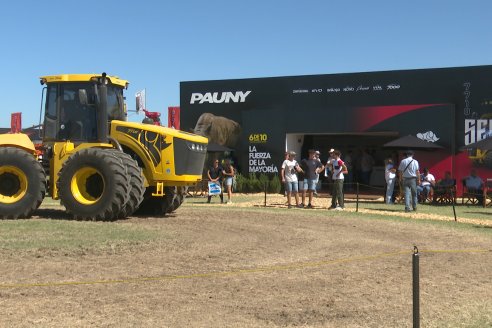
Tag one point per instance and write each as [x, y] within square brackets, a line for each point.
[266, 185]
[454, 209]
[416, 287]
[357, 199]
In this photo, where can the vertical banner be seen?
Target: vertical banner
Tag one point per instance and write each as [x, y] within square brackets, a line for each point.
[173, 117]
[140, 99]
[15, 122]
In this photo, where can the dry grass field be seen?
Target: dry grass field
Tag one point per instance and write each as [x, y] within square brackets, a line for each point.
[243, 265]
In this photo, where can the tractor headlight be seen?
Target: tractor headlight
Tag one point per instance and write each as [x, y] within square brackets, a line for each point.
[196, 147]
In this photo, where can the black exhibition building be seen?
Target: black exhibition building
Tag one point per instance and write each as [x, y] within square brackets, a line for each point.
[261, 118]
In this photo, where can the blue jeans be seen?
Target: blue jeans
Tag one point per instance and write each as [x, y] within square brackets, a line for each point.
[390, 187]
[410, 187]
[291, 187]
[423, 189]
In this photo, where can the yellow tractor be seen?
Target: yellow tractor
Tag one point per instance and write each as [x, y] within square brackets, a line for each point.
[97, 164]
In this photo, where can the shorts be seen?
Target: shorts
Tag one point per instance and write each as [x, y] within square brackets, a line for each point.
[291, 186]
[303, 185]
[228, 181]
[310, 184]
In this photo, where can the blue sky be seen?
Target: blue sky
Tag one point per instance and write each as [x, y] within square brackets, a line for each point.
[157, 44]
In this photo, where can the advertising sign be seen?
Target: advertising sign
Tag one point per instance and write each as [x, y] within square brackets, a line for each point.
[15, 122]
[173, 117]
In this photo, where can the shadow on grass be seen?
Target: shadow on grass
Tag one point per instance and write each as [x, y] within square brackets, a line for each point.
[396, 210]
[480, 213]
[62, 215]
[52, 214]
[482, 227]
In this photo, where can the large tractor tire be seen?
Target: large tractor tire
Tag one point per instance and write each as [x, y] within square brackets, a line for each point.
[179, 198]
[160, 206]
[22, 183]
[137, 189]
[93, 185]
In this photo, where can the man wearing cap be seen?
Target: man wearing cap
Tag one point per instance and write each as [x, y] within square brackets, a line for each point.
[409, 177]
[339, 169]
[328, 166]
[289, 170]
[312, 166]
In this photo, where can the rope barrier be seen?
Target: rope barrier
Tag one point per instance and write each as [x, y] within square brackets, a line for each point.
[274, 268]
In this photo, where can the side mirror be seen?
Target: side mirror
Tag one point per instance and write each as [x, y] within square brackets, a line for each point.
[83, 97]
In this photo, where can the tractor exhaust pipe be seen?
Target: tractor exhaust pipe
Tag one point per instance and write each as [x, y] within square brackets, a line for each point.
[102, 114]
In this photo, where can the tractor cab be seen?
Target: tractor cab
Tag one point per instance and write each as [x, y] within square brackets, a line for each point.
[79, 106]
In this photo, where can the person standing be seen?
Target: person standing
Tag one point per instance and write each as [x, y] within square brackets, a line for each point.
[339, 169]
[286, 157]
[214, 174]
[288, 172]
[303, 183]
[311, 166]
[349, 179]
[390, 177]
[318, 182]
[366, 165]
[410, 177]
[228, 173]
[328, 170]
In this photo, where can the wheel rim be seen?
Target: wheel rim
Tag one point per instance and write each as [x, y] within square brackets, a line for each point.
[13, 184]
[87, 185]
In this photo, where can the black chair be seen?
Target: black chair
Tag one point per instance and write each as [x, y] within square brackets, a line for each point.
[471, 196]
[487, 193]
[445, 195]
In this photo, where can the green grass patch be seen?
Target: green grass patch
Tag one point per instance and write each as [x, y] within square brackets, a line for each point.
[71, 235]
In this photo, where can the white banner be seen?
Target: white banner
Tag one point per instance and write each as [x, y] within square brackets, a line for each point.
[140, 98]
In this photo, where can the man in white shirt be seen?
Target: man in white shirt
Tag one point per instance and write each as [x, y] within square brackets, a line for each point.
[289, 170]
[410, 178]
[389, 175]
[427, 182]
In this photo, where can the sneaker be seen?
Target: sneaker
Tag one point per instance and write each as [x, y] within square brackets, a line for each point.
[332, 207]
[415, 209]
[289, 206]
[229, 202]
[309, 206]
[407, 210]
[338, 208]
[300, 206]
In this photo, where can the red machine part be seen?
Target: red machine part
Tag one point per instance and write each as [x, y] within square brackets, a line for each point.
[154, 116]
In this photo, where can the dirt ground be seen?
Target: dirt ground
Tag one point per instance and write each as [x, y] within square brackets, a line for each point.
[231, 266]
